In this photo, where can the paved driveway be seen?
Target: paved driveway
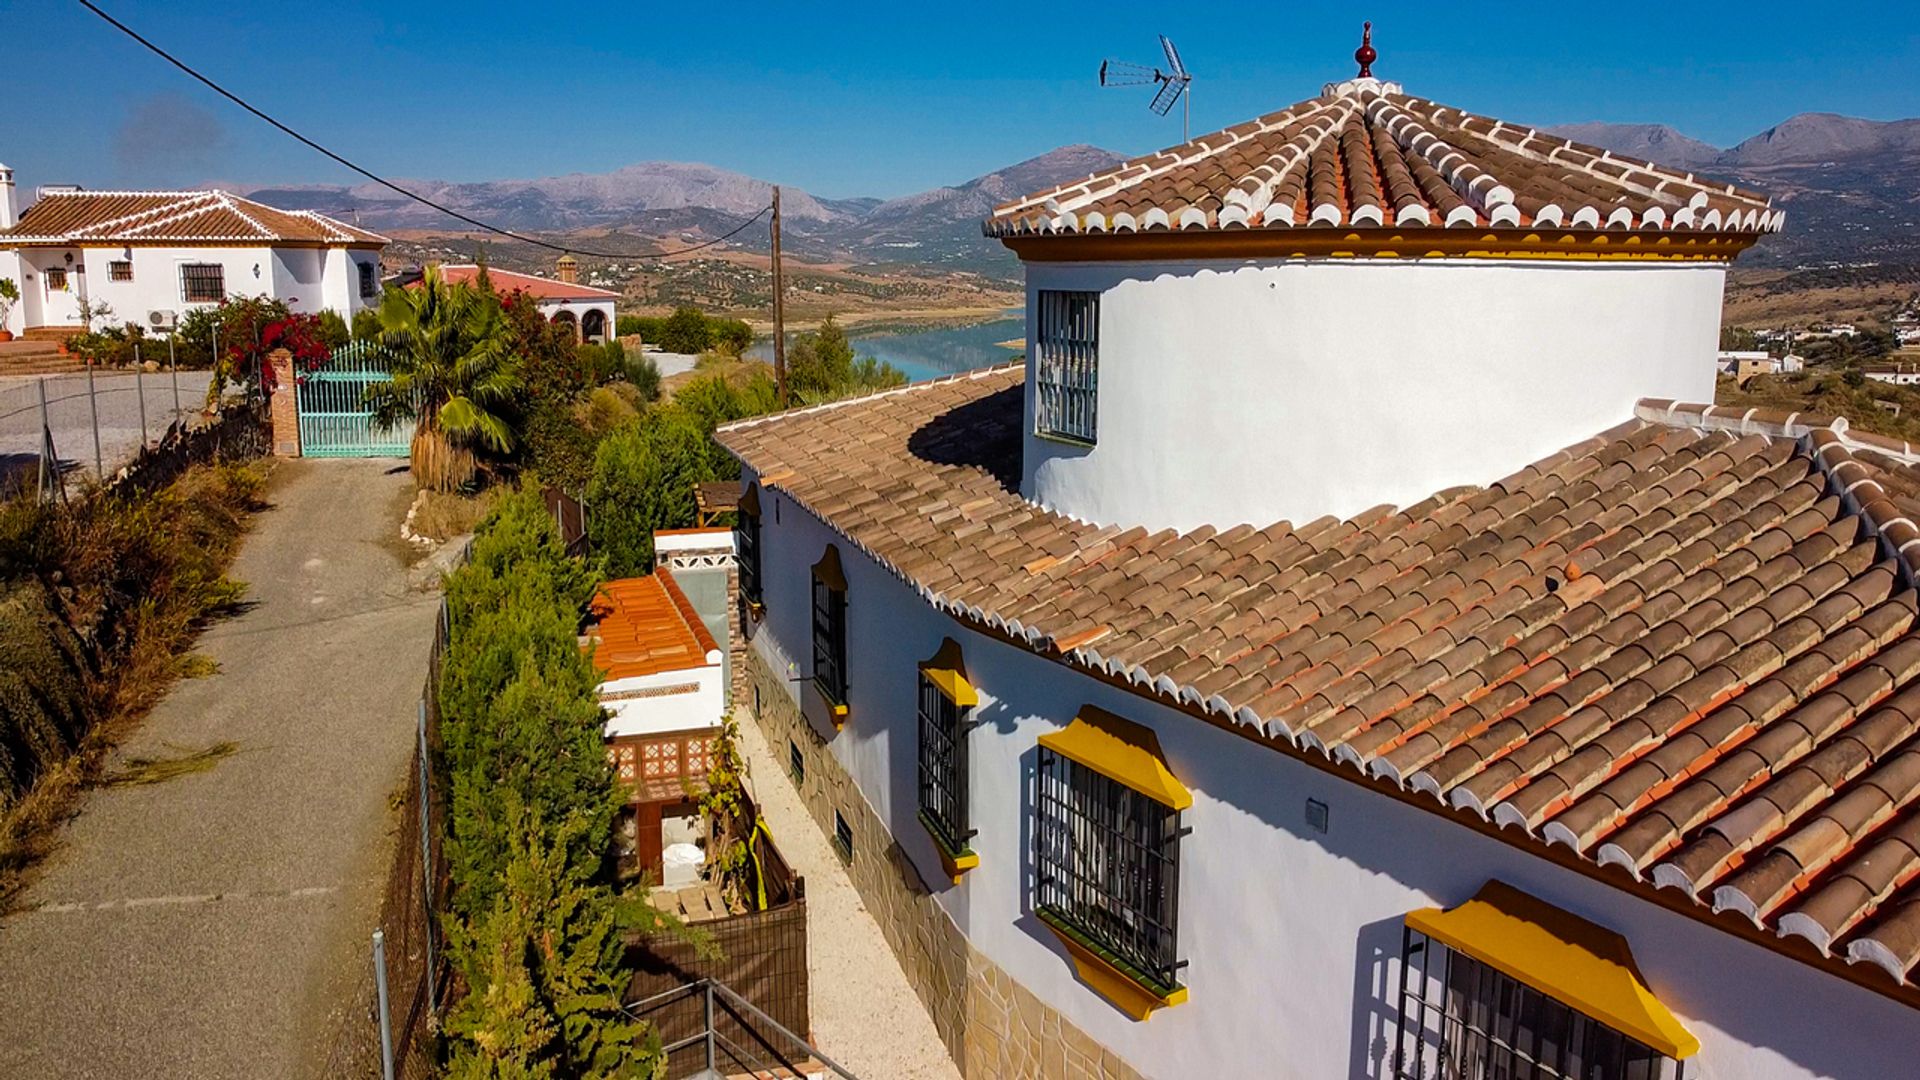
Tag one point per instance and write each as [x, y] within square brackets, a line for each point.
[204, 926]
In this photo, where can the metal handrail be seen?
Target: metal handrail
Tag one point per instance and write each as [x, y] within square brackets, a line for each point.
[712, 1037]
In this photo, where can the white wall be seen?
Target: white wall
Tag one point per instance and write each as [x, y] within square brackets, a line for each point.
[1257, 392]
[1292, 936]
[308, 279]
[579, 309]
[16, 319]
[699, 708]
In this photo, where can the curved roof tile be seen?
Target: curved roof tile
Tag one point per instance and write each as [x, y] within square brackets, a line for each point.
[1364, 155]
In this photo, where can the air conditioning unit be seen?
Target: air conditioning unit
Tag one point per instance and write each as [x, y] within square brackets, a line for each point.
[161, 320]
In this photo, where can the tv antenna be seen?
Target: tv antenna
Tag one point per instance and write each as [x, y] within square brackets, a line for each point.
[1173, 83]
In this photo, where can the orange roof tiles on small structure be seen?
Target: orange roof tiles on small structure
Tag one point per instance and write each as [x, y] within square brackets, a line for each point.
[645, 626]
[69, 218]
[1685, 648]
[506, 281]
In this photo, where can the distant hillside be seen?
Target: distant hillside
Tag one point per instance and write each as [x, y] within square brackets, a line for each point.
[676, 203]
[1851, 187]
[1653, 142]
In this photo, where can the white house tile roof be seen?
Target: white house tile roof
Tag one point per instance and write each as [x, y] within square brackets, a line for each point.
[151, 217]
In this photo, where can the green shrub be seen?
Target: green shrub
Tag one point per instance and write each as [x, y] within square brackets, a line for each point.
[535, 924]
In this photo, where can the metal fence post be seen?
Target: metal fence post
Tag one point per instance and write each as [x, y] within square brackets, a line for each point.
[49, 460]
[93, 404]
[140, 391]
[426, 859]
[710, 1058]
[173, 365]
[380, 983]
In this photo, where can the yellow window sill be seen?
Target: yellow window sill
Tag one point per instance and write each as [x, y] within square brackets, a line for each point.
[956, 864]
[1103, 978]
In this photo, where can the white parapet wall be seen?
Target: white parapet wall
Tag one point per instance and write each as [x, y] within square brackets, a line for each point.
[1257, 391]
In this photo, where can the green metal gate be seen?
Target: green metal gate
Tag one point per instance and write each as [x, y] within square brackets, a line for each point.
[335, 420]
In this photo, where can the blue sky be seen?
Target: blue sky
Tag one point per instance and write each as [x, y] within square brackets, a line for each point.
[862, 98]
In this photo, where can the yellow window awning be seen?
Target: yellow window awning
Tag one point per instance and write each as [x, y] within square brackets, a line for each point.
[1580, 964]
[945, 671]
[1122, 750]
[827, 571]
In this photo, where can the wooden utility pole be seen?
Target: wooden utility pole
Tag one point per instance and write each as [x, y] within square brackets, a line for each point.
[779, 307]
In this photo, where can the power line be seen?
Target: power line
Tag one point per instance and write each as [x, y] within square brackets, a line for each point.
[390, 185]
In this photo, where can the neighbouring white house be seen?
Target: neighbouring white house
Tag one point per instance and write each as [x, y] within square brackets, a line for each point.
[1743, 364]
[149, 257]
[1894, 374]
[586, 310]
[1333, 654]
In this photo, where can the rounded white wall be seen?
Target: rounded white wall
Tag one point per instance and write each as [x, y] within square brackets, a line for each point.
[1256, 392]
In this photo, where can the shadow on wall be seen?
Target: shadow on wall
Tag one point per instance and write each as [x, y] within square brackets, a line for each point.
[1376, 998]
[983, 434]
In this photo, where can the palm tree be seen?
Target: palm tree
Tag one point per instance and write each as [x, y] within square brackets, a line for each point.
[454, 374]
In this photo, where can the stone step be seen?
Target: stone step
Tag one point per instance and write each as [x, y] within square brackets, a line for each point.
[50, 333]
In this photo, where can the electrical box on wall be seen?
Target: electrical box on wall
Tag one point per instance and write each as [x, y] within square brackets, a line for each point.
[1316, 815]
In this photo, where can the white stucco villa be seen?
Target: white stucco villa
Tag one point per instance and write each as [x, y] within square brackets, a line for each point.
[150, 256]
[1336, 654]
[585, 310]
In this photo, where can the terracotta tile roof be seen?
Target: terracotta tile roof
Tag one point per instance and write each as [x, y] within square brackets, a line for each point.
[149, 217]
[1357, 157]
[646, 625]
[506, 281]
[1684, 648]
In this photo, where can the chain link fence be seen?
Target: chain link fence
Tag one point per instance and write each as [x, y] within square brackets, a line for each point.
[394, 1012]
[56, 430]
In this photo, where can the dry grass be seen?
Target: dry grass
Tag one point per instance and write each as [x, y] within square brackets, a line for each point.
[441, 515]
[139, 577]
[1893, 411]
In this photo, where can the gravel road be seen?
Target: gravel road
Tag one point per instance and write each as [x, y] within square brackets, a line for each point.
[200, 926]
[70, 415]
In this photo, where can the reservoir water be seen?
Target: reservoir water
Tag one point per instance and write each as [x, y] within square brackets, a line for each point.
[929, 354]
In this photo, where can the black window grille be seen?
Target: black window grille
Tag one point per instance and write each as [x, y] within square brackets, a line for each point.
[842, 837]
[943, 766]
[747, 543]
[369, 281]
[1460, 1019]
[203, 283]
[120, 270]
[796, 765]
[56, 279]
[830, 641]
[1107, 868]
[1066, 351]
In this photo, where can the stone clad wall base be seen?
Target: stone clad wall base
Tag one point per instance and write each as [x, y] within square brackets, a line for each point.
[992, 1026]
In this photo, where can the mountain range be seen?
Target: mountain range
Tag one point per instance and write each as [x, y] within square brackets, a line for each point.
[1851, 188]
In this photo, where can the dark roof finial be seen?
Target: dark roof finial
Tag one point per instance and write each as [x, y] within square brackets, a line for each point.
[1364, 55]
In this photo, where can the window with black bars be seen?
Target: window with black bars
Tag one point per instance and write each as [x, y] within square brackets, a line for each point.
[119, 270]
[796, 763]
[1066, 350]
[1460, 1019]
[369, 281]
[747, 540]
[943, 766]
[830, 641]
[1107, 868]
[203, 283]
[56, 279]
